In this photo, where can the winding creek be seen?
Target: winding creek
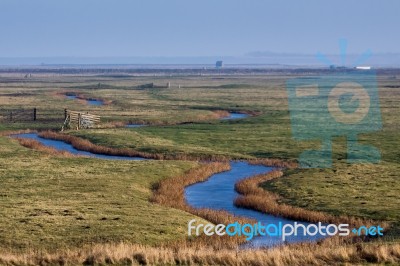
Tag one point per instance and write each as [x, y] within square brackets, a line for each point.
[216, 193]
[88, 101]
[63, 146]
[231, 116]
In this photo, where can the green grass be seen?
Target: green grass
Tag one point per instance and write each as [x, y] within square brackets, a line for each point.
[369, 191]
[51, 203]
[248, 138]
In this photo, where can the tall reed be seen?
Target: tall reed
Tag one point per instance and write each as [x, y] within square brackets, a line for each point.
[133, 254]
[36, 145]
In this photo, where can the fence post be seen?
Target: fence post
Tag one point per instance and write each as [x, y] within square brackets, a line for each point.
[65, 113]
[34, 114]
[11, 116]
[79, 120]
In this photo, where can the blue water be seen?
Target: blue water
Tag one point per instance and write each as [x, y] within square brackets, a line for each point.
[218, 193]
[94, 102]
[62, 146]
[235, 116]
[90, 101]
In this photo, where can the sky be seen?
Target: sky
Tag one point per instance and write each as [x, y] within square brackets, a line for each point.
[179, 28]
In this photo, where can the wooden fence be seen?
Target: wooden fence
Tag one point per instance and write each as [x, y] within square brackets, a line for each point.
[75, 119]
[67, 118]
[18, 115]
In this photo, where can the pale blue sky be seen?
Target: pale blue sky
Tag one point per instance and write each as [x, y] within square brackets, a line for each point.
[46, 28]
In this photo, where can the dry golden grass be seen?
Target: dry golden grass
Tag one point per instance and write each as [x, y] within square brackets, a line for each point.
[275, 162]
[218, 114]
[133, 254]
[14, 132]
[36, 145]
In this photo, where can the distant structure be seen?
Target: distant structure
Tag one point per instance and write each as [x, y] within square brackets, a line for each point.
[169, 85]
[337, 67]
[218, 64]
[363, 67]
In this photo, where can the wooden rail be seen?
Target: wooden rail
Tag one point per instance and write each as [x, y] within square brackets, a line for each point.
[18, 115]
[78, 120]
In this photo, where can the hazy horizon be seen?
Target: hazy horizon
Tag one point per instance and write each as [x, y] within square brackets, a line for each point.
[258, 58]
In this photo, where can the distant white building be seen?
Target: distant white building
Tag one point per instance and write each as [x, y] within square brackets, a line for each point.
[363, 67]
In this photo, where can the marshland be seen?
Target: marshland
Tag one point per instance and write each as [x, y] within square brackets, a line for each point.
[60, 208]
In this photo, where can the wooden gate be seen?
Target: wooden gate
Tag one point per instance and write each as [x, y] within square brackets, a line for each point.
[78, 120]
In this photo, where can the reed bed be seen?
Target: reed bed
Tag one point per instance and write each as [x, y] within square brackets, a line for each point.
[133, 254]
[217, 114]
[15, 132]
[36, 145]
[274, 162]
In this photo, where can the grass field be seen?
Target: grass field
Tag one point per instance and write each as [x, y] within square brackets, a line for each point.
[51, 202]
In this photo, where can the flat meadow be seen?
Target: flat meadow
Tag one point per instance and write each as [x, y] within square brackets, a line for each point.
[50, 202]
